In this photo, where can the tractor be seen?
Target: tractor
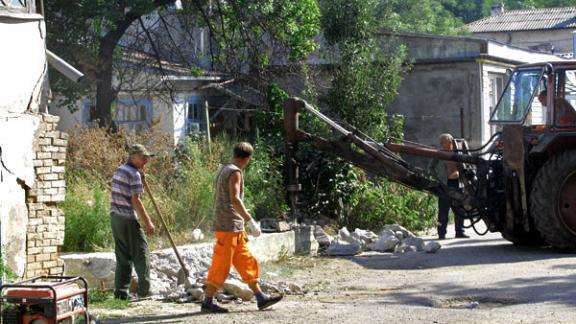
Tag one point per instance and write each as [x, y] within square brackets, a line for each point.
[521, 183]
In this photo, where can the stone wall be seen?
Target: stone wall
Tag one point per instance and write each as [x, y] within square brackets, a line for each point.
[45, 219]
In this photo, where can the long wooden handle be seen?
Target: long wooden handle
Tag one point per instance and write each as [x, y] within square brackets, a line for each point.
[165, 227]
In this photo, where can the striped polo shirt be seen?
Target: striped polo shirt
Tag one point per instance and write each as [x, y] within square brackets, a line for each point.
[126, 182]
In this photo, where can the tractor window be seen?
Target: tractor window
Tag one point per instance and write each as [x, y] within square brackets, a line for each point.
[565, 98]
[515, 102]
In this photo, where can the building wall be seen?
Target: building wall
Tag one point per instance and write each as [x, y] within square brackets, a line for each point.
[561, 39]
[32, 154]
[441, 98]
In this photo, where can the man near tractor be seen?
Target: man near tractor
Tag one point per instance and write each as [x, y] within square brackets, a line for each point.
[231, 238]
[448, 173]
[130, 245]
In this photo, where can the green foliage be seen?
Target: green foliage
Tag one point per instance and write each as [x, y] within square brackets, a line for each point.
[264, 182]
[5, 271]
[105, 299]
[87, 210]
[423, 16]
[383, 202]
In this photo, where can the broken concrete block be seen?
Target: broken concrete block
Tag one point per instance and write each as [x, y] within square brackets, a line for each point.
[270, 225]
[386, 242]
[395, 228]
[432, 247]
[416, 242]
[237, 289]
[339, 247]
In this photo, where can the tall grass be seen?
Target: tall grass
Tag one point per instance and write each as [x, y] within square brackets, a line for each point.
[86, 209]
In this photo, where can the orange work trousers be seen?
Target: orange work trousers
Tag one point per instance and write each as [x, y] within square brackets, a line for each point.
[231, 249]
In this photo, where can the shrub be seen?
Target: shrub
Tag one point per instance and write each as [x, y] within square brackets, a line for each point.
[384, 202]
[264, 183]
[87, 211]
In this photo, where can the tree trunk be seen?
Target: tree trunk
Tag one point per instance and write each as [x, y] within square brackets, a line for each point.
[105, 94]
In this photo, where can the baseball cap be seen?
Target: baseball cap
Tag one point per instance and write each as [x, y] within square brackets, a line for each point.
[139, 149]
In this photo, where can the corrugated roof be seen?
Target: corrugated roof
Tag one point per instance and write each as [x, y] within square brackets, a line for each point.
[530, 19]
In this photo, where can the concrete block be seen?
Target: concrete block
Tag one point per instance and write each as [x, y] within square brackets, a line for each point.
[49, 148]
[58, 169]
[35, 222]
[50, 249]
[64, 135]
[44, 141]
[62, 149]
[34, 266]
[56, 271]
[58, 197]
[38, 163]
[48, 177]
[49, 264]
[43, 155]
[31, 243]
[33, 251]
[48, 162]
[304, 240]
[52, 134]
[43, 170]
[43, 257]
[59, 142]
[59, 156]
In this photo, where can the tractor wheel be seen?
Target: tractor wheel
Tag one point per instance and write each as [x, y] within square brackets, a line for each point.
[553, 201]
[524, 238]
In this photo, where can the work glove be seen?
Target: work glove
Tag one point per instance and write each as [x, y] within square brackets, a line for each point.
[252, 228]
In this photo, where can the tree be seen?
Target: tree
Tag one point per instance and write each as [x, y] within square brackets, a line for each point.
[422, 16]
[243, 33]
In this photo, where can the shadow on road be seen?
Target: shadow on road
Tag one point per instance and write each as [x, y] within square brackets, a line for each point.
[459, 253]
[549, 289]
[175, 318]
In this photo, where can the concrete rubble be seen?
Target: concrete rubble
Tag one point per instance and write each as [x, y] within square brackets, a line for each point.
[393, 238]
[98, 269]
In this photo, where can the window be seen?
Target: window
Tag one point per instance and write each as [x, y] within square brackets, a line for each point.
[565, 98]
[132, 113]
[517, 97]
[19, 6]
[195, 115]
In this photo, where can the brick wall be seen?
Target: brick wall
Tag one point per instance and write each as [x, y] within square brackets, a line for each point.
[46, 221]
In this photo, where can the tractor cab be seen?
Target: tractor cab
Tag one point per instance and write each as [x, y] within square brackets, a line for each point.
[542, 95]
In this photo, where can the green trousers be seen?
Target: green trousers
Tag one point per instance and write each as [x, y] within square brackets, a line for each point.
[131, 248]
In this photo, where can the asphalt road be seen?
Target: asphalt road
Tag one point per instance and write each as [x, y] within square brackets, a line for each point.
[478, 280]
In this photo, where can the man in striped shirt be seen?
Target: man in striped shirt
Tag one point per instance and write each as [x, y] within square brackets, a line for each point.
[130, 244]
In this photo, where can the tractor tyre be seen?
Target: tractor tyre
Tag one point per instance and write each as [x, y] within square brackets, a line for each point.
[520, 237]
[553, 201]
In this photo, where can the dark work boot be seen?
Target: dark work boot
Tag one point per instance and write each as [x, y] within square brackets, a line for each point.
[212, 308]
[208, 306]
[265, 301]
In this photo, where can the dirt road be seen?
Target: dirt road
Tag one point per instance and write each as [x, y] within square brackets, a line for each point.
[478, 280]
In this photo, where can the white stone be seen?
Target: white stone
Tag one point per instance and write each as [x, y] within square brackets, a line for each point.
[432, 247]
[237, 289]
[387, 242]
[197, 235]
[339, 247]
[395, 228]
[416, 242]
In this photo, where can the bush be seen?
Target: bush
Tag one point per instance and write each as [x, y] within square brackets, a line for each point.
[87, 211]
[384, 202]
[264, 183]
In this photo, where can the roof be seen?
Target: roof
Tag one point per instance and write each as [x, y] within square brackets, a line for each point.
[524, 20]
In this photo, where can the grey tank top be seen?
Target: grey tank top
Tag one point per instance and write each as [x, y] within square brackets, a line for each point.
[226, 218]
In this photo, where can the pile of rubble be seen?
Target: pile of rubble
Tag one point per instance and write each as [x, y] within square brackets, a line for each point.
[393, 238]
[164, 273]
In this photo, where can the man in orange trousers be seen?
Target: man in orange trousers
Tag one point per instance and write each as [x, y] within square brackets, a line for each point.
[230, 247]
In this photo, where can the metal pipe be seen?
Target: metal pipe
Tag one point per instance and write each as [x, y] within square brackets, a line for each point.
[432, 153]
[64, 67]
[324, 118]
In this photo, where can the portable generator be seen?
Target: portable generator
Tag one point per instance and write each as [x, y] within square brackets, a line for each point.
[45, 300]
